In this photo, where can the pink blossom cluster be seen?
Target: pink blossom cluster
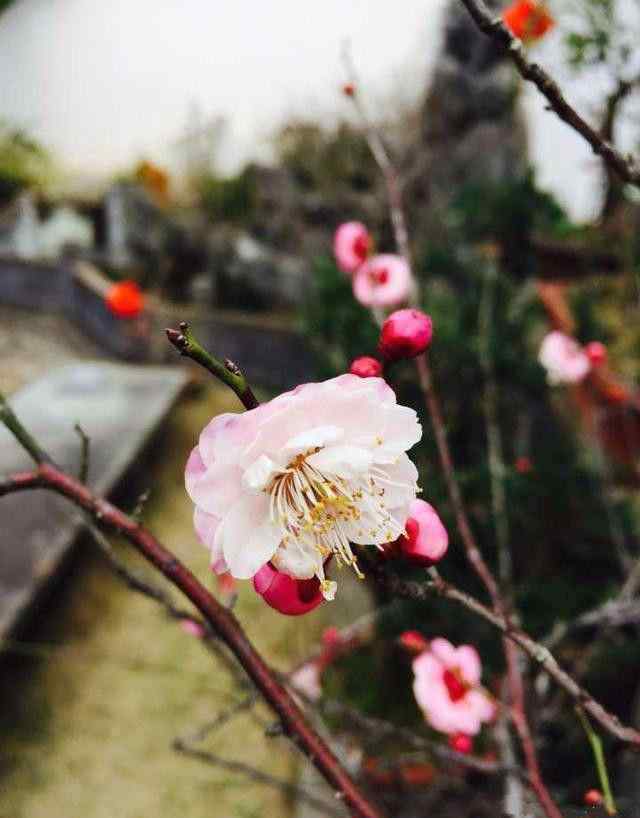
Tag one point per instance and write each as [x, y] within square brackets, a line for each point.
[378, 280]
[568, 362]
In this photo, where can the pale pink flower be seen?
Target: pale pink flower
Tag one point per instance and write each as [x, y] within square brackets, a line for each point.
[301, 478]
[351, 246]
[563, 358]
[426, 540]
[382, 281]
[307, 680]
[447, 688]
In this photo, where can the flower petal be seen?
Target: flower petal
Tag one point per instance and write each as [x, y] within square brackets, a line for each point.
[249, 538]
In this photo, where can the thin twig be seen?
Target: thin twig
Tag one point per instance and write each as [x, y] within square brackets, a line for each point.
[226, 371]
[25, 439]
[493, 26]
[601, 764]
[85, 442]
[259, 777]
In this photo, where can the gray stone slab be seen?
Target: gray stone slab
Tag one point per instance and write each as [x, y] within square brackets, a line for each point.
[120, 407]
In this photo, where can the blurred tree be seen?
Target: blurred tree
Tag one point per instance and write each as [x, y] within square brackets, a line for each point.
[23, 162]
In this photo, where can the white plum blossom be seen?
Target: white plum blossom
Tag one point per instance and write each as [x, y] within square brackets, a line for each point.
[299, 480]
[563, 358]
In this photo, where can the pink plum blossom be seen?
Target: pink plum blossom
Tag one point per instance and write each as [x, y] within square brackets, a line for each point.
[351, 246]
[405, 334]
[303, 477]
[382, 281]
[563, 358]
[366, 367]
[426, 540]
[285, 594]
[447, 688]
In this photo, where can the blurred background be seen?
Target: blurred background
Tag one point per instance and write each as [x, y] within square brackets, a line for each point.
[191, 161]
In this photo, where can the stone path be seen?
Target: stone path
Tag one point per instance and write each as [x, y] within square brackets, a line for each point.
[119, 407]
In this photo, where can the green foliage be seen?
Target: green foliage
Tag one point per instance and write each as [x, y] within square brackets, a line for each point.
[230, 199]
[602, 32]
[23, 162]
[324, 159]
[338, 328]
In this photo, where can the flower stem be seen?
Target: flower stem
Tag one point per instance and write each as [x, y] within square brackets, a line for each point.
[226, 371]
[601, 765]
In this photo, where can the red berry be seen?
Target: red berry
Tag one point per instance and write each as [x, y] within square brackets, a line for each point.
[405, 334]
[366, 367]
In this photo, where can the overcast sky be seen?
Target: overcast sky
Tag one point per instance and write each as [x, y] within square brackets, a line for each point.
[103, 84]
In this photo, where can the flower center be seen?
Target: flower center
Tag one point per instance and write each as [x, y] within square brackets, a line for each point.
[380, 275]
[321, 511]
[361, 247]
[456, 687]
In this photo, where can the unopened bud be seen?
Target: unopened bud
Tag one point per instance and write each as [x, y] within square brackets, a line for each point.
[405, 334]
[366, 367]
[426, 541]
[596, 353]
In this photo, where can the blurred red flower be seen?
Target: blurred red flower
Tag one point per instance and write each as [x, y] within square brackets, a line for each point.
[528, 20]
[125, 299]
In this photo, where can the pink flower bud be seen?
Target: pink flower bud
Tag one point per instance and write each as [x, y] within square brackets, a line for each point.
[596, 353]
[366, 367]
[461, 743]
[405, 334]
[285, 594]
[413, 642]
[427, 539]
[192, 628]
[382, 281]
[593, 797]
[351, 246]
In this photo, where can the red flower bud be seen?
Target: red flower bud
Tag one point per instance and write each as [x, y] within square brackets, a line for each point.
[348, 89]
[413, 642]
[405, 334]
[461, 743]
[596, 353]
[366, 367]
[427, 540]
[593, 797]
[285, 594]
[523, 465]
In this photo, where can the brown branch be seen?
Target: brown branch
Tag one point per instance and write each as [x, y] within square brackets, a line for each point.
[625, 166]
[222, 622]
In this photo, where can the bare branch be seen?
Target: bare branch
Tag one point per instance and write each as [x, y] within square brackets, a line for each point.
[625, 166]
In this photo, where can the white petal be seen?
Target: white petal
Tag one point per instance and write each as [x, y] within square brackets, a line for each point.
[216, 489]
[343, 461]
[260, 473]
[310, 439]
[399, 481]
[297, 560]
[249, 538]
